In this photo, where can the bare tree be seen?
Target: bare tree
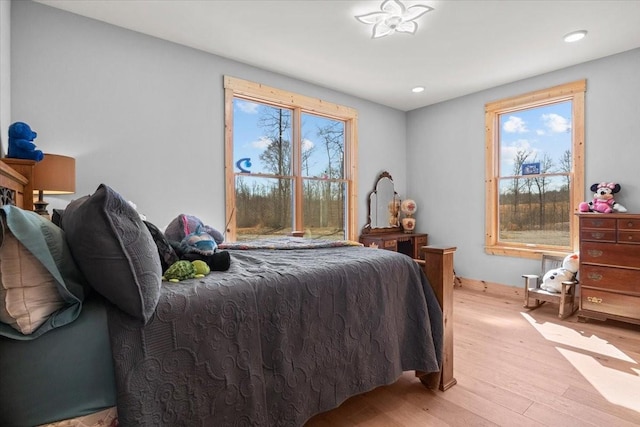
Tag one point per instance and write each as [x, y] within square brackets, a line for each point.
[276, 123]
[332, 136]
[565, 167]
[541, 182]
[517, 182]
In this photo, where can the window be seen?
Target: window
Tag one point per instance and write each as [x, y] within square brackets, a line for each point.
[290, 164]
[534, 171]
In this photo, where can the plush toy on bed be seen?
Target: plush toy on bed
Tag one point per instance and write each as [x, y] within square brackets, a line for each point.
[552, 279]
[193, 240]
[182, 270]
[603, 199]
[21, 144]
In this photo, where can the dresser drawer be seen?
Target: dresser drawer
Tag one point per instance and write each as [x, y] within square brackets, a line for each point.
[631, 237]
[610, 278]
[629, 224]
[596, 221]
[610, 254]
[610, 303]
[373, 242]
[421, 241]
[391, 245]
[598, 235]
[404, 243]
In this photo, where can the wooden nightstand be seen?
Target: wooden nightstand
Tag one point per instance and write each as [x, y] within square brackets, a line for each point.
[406, 243]
[24, 167]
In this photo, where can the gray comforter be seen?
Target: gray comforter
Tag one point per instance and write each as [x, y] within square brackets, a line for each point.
[281, 336]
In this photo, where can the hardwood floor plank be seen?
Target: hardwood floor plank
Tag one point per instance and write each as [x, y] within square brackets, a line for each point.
[501, 415]
[549, 416]
[515, 402]
[595, 400]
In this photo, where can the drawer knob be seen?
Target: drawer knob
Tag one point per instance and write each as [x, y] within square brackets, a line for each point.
[630, 224]
[596, 277]
[595, 253]
[597, 235]
[594, 300]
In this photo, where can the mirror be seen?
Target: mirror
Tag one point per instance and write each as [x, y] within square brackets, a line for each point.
[384, 207]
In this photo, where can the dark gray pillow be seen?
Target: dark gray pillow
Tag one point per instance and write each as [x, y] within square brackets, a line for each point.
[115, 251]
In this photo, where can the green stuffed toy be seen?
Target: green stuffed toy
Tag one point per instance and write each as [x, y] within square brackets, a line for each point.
[183, 270]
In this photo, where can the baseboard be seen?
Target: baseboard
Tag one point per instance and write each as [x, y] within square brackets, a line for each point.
[490, 288]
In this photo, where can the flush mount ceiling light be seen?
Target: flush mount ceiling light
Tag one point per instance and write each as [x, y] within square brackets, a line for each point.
[394, 17]
[575, 36]
[418, 89]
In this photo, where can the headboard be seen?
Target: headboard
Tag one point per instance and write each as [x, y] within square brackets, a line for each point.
[12, 186]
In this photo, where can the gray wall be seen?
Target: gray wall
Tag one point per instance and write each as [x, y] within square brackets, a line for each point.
[446, 158]
[146, 116]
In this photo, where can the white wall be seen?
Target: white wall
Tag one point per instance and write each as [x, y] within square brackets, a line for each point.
[146, 116]
[5, 73]
[446, 158]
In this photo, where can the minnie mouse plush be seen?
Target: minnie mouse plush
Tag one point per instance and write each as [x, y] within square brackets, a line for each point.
[603, 201]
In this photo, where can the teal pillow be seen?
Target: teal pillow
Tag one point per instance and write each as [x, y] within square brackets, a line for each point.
[45, 242]
[115, 251]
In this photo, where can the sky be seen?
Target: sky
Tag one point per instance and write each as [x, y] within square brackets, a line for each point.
[250, 139]
[539, 130]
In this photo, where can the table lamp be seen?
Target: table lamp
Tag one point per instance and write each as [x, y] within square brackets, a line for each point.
[408, 208]
[55, 174]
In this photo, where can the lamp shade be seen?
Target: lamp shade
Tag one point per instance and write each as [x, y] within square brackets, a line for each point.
[55, 174]
[408, 207]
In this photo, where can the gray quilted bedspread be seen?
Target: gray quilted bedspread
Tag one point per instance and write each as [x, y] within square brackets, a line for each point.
[281, 336]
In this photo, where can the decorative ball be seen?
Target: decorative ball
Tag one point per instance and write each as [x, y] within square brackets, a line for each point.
[408, 207]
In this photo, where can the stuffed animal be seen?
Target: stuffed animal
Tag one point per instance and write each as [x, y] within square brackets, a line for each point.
[21, 144]
[182, 270]
[552, 279]
[603, 199]
[192, 240]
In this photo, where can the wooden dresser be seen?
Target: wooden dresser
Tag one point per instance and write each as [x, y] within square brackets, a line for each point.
[610, 267]
[406, 243]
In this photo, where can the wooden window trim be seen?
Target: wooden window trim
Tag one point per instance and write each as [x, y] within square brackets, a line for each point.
[251, 91]
[574, 91]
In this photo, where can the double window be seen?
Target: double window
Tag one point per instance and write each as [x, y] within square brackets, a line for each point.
[534, 171]
[290, 164]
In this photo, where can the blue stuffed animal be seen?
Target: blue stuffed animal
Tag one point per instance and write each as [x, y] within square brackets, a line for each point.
[21, 144]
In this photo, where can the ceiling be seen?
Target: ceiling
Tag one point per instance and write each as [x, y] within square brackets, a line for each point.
[460, 47]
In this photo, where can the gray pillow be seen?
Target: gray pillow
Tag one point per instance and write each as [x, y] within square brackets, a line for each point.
[115, 251]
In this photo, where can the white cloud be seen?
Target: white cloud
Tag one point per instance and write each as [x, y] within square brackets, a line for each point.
[515, 125]
[247, 107]
[540, 132]
[261, 143]
[556, 123]
[307, 145]
[508, 153]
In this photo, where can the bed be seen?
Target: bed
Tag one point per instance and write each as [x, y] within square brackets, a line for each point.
[292, 329]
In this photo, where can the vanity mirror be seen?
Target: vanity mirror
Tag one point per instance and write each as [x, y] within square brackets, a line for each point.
[384, 207]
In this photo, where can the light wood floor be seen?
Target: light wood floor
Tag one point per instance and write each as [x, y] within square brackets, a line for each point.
[514, 367]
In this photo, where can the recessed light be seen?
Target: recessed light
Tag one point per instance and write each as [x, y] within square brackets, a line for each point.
[575, 36]
[417, 89]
